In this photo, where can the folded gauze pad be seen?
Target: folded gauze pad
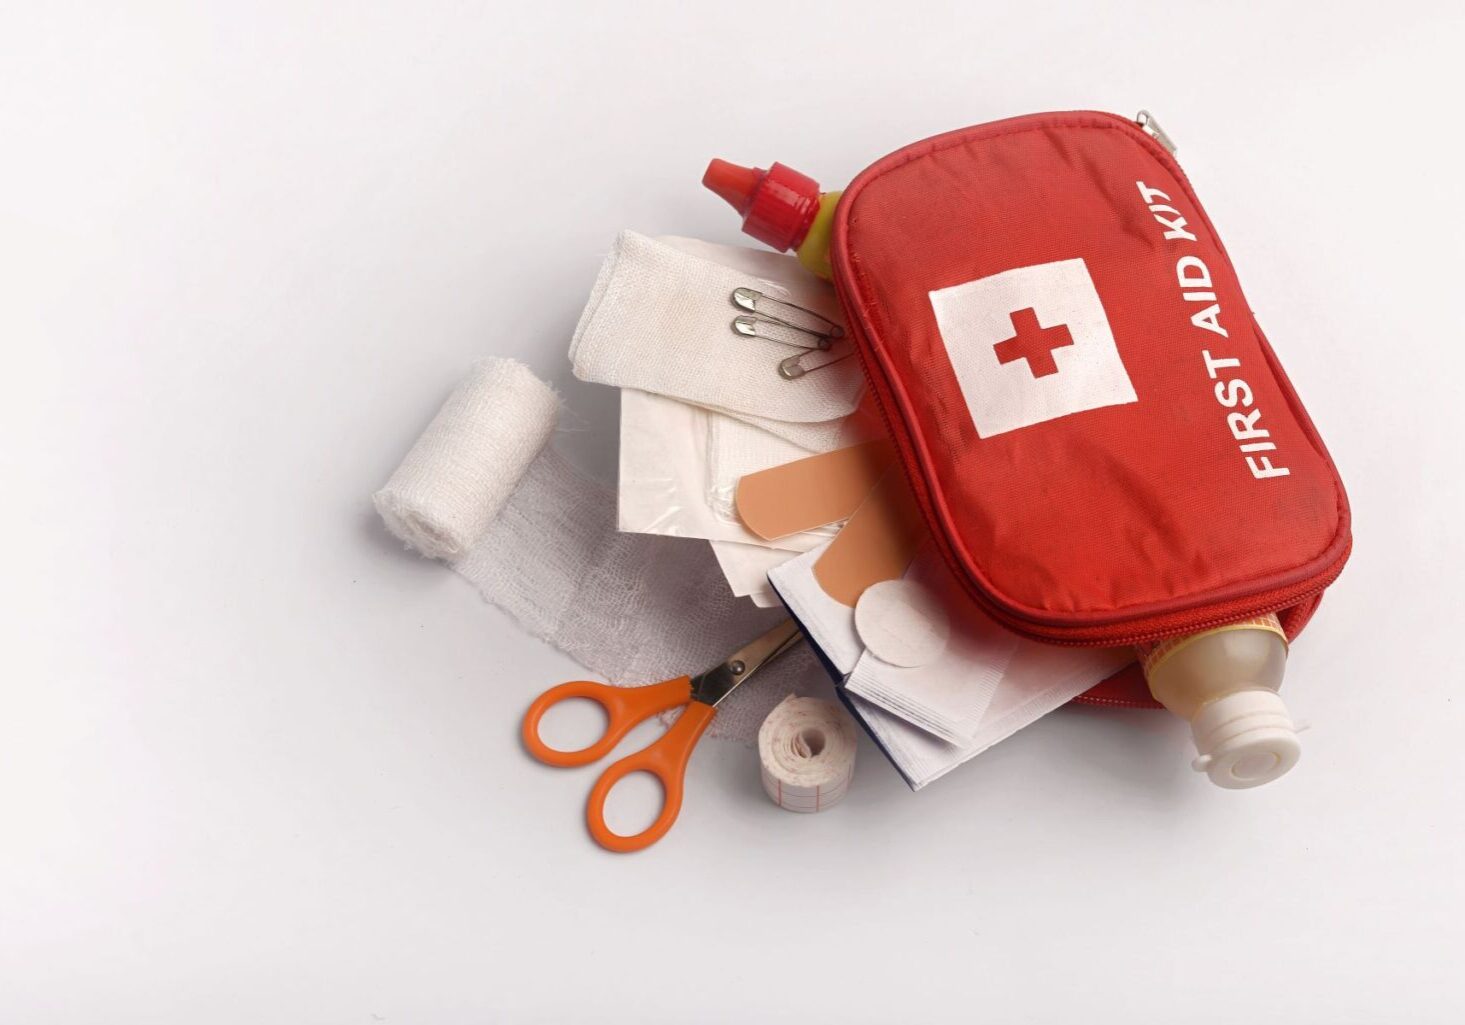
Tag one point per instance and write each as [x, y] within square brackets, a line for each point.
[807, 748]
[660, 319]
[459, 474]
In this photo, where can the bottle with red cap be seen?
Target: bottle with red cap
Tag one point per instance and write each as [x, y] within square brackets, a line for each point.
[779, 207]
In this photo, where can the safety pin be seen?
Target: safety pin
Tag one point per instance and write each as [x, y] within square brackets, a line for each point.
[749, 326]
[792, 368]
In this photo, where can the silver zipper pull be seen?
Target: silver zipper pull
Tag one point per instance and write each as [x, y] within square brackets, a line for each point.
[1151, 127]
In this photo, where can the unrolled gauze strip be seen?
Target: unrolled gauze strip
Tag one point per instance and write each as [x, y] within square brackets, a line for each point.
[540, 542]
[459, 474]
[807, 747]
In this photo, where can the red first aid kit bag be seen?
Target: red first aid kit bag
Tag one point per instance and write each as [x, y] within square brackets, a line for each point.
[1102, 442]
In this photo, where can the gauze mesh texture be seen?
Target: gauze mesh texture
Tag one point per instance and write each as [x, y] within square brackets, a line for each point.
[634, 608]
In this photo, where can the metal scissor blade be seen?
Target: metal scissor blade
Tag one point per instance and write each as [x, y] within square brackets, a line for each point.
[721, 680]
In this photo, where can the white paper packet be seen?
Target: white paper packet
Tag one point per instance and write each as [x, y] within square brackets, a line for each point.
[949, 695]
[663, 476]
[1034, 679]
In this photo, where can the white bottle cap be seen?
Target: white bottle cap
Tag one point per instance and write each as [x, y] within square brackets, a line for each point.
[1245, 739]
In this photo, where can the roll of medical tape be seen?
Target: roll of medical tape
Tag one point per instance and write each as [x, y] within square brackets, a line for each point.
[807, 750]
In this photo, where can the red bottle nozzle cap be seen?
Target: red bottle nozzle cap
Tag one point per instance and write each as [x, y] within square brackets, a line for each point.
[777, 205]
[734, 183]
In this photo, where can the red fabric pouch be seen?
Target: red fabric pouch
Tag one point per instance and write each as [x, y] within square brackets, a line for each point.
[1103, 444]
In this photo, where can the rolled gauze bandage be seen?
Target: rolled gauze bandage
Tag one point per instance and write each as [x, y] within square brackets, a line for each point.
[462, 470]
[807, 748]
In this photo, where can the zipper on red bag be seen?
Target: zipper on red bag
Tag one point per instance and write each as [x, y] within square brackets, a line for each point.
[1101, 702]
[1063, 634]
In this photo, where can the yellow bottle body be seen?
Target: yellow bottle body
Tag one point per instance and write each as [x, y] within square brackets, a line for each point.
[1196, 670]
[813, 252]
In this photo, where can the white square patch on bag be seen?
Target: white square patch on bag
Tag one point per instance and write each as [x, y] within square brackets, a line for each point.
[1029, 345]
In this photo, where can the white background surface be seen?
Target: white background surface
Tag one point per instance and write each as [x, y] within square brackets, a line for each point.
[258, 764]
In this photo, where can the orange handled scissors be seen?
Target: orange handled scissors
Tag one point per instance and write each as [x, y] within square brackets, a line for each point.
[666, 758]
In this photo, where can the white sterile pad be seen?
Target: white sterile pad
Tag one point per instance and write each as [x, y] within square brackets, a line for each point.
[901, 622]
[659, 319]
[806, 748]
[1039, 679]
[947, 695]
[663, 476]
[633, 608]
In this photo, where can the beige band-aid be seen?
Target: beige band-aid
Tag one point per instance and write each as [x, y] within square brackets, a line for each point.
[812, 492]
[876, 544]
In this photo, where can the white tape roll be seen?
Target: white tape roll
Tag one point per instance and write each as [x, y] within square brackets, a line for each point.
[807, 748]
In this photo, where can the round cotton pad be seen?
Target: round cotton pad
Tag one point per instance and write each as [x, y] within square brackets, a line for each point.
[900, 622]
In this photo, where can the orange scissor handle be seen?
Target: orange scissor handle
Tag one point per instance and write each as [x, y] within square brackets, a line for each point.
[624, 708]
[666, 759]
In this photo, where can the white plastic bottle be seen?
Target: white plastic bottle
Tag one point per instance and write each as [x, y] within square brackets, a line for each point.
[1224, 683]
